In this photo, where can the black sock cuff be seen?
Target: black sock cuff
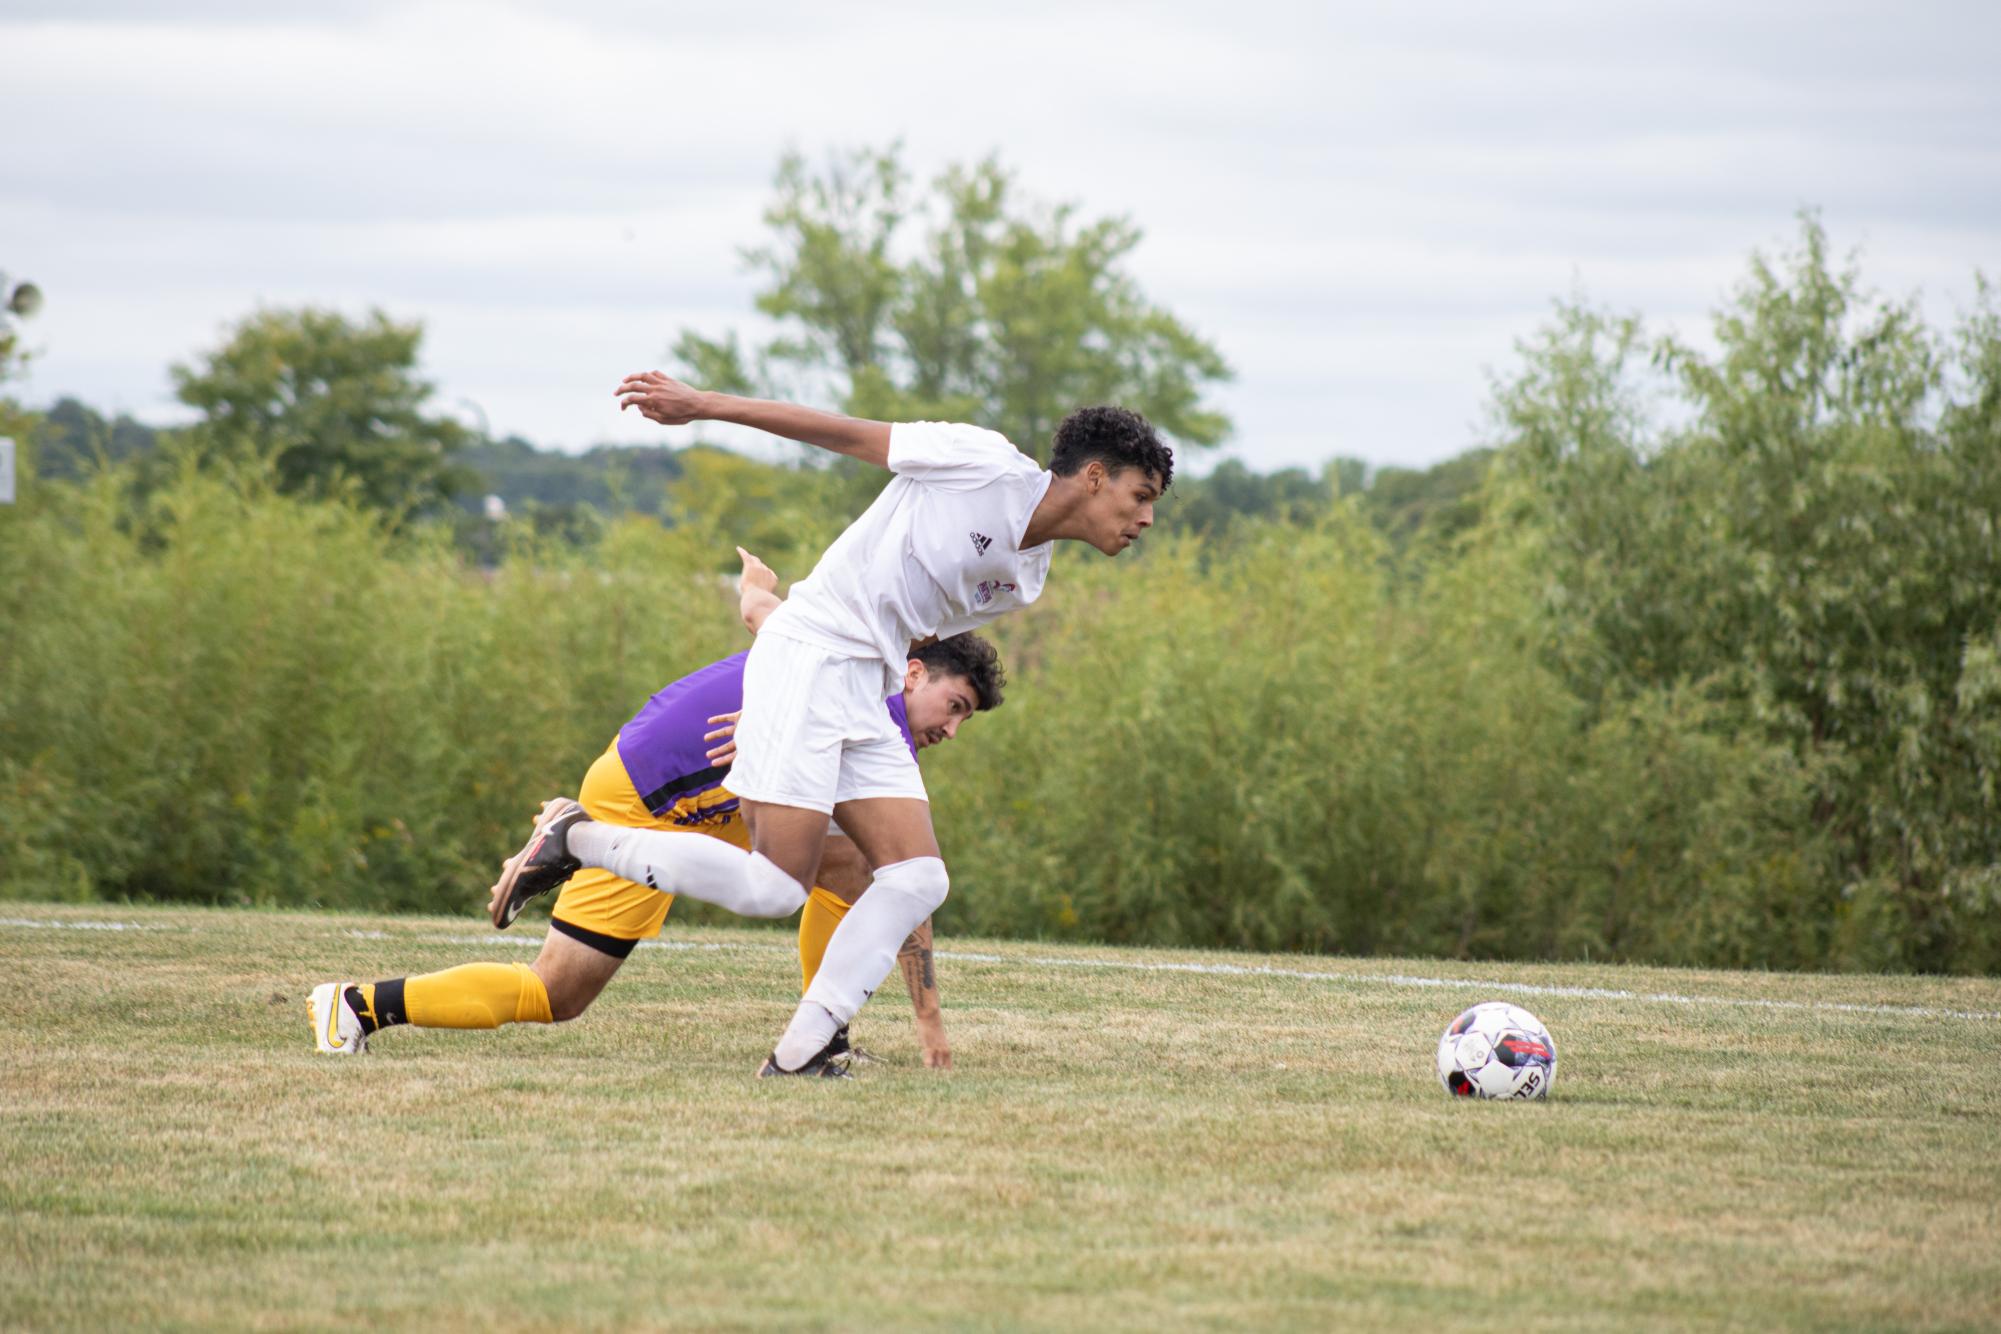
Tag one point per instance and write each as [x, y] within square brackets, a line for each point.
[389, 1004]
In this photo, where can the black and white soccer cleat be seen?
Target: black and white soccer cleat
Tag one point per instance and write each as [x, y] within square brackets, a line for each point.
[540, 866]
[830, 1062]
[854, 1056]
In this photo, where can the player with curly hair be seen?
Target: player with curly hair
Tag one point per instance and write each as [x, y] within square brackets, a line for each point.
[962, 533]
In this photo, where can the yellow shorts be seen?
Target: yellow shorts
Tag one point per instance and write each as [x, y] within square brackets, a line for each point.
[610, 912]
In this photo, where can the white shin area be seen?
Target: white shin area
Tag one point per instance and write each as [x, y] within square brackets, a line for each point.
[863, 948]
[690, 864]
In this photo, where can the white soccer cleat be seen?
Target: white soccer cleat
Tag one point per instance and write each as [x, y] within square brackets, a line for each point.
[337, 1029]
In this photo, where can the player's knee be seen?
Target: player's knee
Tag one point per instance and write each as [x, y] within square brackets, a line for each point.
[570, 993]
[921, 879]
[769, 890]
[566, 1003]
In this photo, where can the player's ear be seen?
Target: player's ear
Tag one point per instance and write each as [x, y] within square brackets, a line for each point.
[913, 674]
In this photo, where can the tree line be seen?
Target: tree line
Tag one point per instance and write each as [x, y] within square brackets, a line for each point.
[573, 497]
[1696, 661]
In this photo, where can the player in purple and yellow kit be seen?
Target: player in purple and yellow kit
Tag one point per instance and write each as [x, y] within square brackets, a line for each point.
[668, 769]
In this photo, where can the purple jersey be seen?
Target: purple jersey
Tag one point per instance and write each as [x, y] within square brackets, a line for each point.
[662, 747]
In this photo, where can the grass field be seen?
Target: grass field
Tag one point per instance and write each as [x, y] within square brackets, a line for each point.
[1132, 1139]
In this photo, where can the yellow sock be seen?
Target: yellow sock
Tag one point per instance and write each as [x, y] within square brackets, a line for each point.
[476, 995]
[822, 913]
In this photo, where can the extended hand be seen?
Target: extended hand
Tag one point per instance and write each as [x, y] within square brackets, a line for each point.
[660, 398]
[725, 736]
[931, 1039]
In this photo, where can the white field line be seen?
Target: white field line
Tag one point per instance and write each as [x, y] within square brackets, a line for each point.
[1328, 975]
[1200, 969]
[1477, 984]
[48, 923]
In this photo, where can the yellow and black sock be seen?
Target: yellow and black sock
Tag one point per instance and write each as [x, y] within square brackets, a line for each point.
[361, 999]
[822, 913]
[472, 995]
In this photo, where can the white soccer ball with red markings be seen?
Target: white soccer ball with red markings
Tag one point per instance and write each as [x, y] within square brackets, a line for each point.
[1497, 1050]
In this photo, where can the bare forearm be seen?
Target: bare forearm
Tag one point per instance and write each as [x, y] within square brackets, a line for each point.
[857, 437]
[920, 976]
[662, 398]
[756, 606]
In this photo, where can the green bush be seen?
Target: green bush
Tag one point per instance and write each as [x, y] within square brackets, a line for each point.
[1270, 747]
[1293, 737]
[1811, 541]
[235, 696]
[1712, 685]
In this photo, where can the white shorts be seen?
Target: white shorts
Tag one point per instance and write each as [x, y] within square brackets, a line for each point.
[816, 731]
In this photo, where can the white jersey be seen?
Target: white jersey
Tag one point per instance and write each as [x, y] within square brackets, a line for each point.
[937, 553]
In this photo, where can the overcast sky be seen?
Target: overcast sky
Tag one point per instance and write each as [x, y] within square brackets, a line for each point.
[1363, 206]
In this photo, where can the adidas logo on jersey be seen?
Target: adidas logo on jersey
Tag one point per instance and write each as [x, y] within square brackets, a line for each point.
[981, 542]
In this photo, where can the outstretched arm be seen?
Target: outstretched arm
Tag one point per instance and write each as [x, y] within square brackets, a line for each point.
[757, 595]
[666, 400]
[757, 598]
[922, 979]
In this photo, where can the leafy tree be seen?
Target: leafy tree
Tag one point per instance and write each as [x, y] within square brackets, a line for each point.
[327, 403]
[1443, 500]
[1232, 492]
[779, 512]
[1008, 312]
[612, 478]
[18, 301]
[73, 437]
[1439, 503]
[1815, 547]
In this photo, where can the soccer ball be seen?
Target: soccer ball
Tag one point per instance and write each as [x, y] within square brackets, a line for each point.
[1496, 1050]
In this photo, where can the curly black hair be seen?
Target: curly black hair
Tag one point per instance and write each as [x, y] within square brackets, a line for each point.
[969, 656]
[1117, 437]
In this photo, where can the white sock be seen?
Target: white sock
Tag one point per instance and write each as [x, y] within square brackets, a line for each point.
[689, 864]
[863, 947]
[810, 1030]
